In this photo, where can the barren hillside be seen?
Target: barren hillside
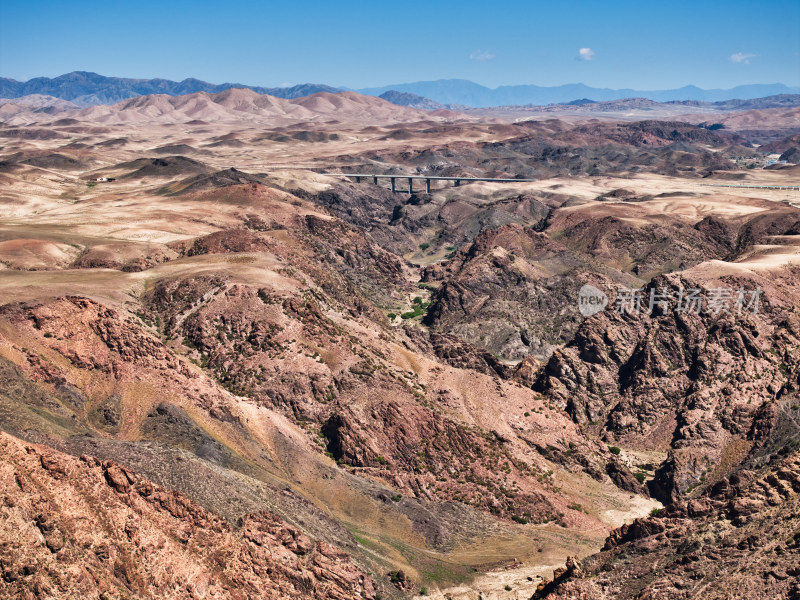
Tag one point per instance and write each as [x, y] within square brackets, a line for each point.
[226, 369]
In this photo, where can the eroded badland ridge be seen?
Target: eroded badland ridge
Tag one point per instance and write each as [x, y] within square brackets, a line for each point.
[228, 372]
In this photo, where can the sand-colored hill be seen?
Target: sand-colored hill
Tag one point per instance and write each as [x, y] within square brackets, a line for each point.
[32, 107]
[766, 118]
[233, 105]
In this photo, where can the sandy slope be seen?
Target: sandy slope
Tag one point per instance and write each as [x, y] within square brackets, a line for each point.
[233, 105]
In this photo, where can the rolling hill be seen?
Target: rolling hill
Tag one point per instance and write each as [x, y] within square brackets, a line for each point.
[231, 105]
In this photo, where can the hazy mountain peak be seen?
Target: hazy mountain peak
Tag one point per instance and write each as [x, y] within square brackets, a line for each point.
[412, 100]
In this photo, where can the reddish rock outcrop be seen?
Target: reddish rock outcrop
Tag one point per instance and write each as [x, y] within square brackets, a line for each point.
[699, 386]
[740, 540]
[84, 528]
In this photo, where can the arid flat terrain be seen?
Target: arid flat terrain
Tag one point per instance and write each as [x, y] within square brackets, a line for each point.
[224, 363]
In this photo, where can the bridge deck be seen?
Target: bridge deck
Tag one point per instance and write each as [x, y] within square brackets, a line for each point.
[753, 187]
[431, 177]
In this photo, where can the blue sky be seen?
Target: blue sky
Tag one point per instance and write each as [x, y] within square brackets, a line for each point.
[641, 45]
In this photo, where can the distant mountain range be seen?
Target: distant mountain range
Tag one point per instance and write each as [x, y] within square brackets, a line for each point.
[629, 104]
[461, 91]
[87, 89]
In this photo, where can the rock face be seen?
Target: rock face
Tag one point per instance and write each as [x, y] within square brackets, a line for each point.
[81, 527]
[397, 223]
[512, 292]
[644, 250]
[740, 539]
[343, 388]
[706, 388]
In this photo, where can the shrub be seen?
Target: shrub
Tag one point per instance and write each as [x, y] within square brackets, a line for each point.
[640, 477]
[397, 498]
[655, 512]
[520, 520]
[614, 450]
[424, 246]
[419, 308]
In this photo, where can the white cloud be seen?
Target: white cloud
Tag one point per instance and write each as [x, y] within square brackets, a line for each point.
[481, 55]
[586, 54]
[741, 57]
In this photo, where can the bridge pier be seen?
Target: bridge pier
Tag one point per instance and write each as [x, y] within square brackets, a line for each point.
[357, 177]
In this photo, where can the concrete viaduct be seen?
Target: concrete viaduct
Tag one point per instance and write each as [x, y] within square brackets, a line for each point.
[428, 178]
[753, 187]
